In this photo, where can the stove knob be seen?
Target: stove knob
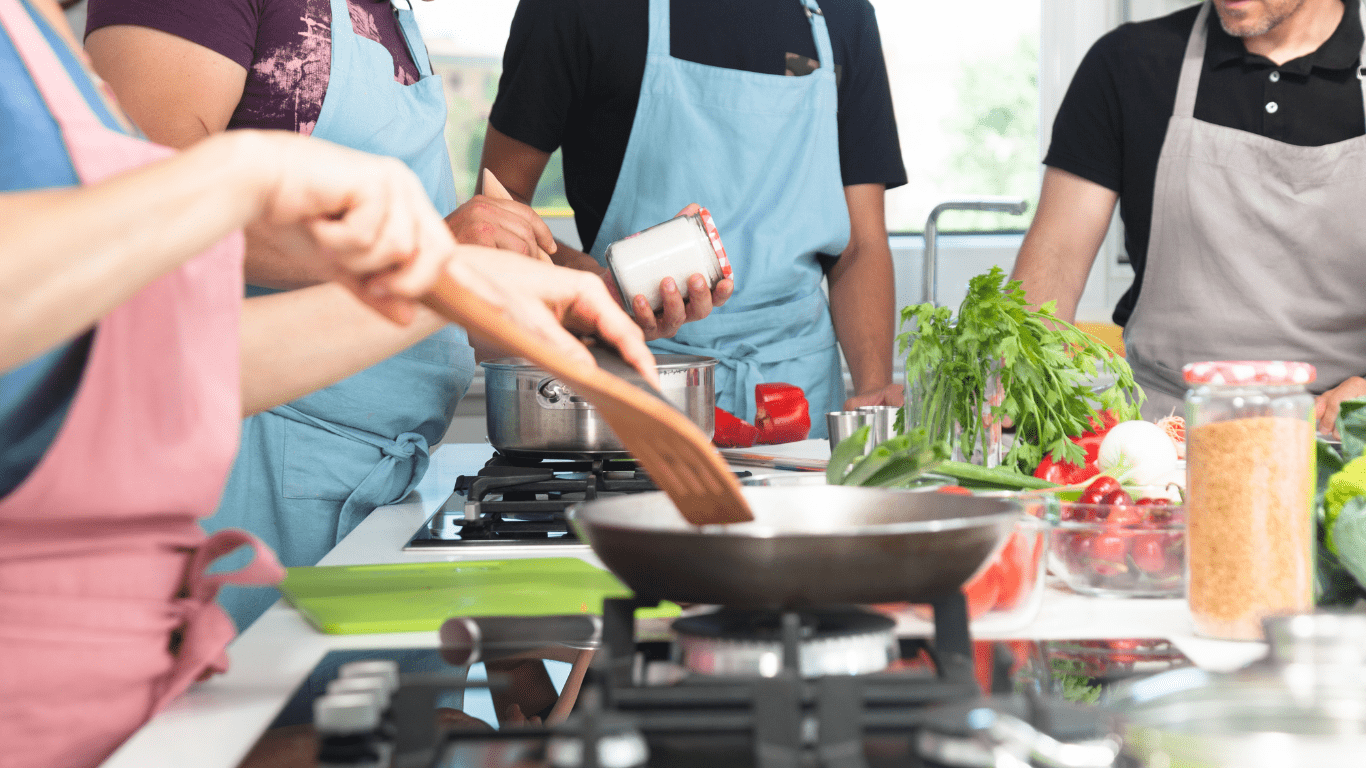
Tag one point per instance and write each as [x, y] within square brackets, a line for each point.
[624, 748]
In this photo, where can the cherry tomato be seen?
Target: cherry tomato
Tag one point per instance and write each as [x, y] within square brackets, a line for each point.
[1108, 554]
[1149, 554]
[982, 591]
[1149, 501]
[1117, 497]
[954, 490]
[1098, 488]
[1123, 517]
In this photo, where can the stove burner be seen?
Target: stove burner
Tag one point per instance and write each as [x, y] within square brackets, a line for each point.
[841, 641]
[516, 501]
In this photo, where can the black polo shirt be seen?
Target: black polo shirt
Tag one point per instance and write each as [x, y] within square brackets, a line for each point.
[1113, 120]
[572, 71]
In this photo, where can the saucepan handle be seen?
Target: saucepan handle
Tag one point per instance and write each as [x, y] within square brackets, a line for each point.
[470, 639]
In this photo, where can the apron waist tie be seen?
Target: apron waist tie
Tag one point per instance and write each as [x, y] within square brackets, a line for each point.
[377, 487]
[205, 628]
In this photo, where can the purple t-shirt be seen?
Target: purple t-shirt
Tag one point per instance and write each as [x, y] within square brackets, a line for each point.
[285, 45]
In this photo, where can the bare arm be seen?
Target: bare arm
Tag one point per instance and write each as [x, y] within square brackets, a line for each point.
[1061, 245]
[863, 298]
[72, 255]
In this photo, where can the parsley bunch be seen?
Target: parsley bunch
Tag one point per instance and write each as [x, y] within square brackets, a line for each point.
[1045, 366]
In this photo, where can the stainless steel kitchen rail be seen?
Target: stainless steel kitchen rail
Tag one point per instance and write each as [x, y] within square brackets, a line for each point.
[1012, 205]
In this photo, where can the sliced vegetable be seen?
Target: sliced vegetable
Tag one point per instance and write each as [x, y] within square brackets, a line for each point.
[733, 431]
[781, 413]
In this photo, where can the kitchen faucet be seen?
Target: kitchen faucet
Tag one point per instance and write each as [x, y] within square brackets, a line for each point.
[1012, 205]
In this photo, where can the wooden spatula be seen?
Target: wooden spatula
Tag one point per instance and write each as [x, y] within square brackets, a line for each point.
[495, 189]
[675, 453]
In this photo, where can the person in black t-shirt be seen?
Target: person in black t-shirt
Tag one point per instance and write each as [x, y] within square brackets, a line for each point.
[1278, 95]
[572, 78]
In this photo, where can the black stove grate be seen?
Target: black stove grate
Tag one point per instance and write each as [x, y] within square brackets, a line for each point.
[516, 500]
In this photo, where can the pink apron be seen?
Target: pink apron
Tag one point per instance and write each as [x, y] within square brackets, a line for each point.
[106, 612]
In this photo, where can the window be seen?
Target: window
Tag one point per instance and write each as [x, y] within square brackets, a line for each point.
[964, 81]
[965, 85]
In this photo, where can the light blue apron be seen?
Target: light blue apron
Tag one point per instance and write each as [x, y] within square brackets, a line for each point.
[761, 152]
[310, 471]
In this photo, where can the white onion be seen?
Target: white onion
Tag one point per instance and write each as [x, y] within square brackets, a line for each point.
[1137, 453]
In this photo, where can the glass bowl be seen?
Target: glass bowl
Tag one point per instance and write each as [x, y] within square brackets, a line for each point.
[1119, 550]
[1007, 592]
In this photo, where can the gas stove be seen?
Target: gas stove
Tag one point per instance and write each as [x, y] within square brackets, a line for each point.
[520, 502]
[824, 688]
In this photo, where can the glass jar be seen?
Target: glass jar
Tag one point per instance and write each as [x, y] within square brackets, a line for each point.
[1249, 494]
[679, 248]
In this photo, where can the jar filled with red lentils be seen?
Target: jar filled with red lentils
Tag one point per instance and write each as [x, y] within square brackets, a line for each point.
[1249, 494]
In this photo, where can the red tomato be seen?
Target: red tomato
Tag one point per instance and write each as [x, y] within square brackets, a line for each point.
[1123, 517]
[1152, 502]
[982, 591]
[954, 490]
[1108, 554]
[1149, 554]
[1013, 563]
[984, 662]
[1117, 497]
[1098, 488]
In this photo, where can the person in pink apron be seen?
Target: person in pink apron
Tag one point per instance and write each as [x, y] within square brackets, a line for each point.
[106, 610]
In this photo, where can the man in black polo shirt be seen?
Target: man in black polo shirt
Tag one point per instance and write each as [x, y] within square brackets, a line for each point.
[1241, 204]
[777, 116]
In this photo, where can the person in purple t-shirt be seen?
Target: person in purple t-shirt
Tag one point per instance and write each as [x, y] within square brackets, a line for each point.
[356, 73]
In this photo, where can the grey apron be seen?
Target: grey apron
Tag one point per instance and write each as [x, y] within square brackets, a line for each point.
[1258, 251]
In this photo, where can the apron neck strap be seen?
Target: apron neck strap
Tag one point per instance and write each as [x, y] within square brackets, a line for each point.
[660, 44]
[1194, 61]
[1361, 59]
[64, 100]
[1192, 64]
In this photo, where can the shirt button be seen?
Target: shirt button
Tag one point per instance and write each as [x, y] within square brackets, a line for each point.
[1275, 77]
[1271, 107]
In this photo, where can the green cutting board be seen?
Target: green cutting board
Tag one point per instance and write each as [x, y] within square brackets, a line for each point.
[417, 597]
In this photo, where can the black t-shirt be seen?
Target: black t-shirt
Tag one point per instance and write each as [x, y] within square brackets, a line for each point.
[572, 72]
[1112, 123]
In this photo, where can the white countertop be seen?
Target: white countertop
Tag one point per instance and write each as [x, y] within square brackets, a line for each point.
[216, 722]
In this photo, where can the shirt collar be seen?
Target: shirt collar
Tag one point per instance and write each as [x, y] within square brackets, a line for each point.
[1340, 51]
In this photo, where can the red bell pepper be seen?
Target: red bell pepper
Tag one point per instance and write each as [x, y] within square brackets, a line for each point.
[733, 432]
[1065, 472]
[781, 413]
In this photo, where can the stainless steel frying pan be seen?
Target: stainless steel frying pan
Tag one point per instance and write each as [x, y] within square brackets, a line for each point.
[807, 546]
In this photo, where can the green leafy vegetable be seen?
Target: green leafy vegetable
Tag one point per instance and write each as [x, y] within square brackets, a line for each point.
[1340, 568]
[896, 463]
[1045, 368]
[997, 478]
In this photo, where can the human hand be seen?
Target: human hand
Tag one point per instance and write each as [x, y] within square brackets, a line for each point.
[1326, 405]
[891, 394]
[675, 312]
[498, 221]
[545, 300]
[366, 218]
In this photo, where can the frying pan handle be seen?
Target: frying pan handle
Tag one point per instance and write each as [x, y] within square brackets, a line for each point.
[470, 639]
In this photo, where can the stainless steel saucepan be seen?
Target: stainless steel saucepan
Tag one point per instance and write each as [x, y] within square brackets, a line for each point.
[531, 413]
[807, 546]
